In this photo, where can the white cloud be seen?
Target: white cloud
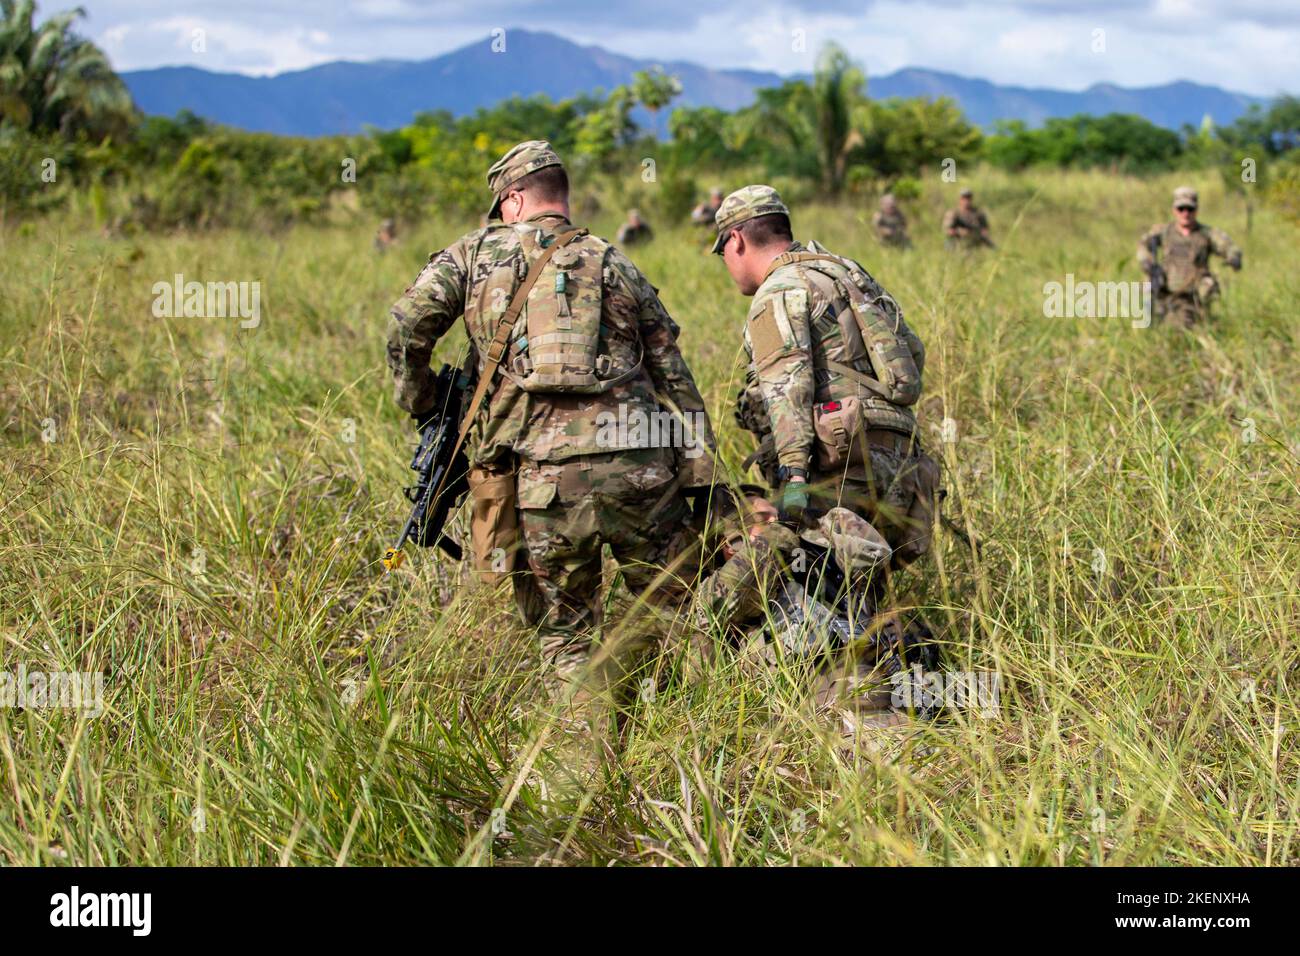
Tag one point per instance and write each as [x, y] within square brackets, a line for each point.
[1246, 45]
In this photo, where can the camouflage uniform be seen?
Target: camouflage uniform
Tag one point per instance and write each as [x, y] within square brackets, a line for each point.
[1188, 287]
[890, 224]
[972, 227]
[704, 214]
[634, 232]
[575, 492]
[791, 334]
[386, 235]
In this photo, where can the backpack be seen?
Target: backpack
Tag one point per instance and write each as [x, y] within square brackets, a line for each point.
[878, 334]
[557, 342]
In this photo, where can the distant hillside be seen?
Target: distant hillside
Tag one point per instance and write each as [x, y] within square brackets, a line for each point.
[344, 97]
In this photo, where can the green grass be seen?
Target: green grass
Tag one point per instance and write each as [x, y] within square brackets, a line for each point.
[318, 712]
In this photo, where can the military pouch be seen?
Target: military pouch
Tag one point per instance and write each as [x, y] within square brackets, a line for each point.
[494, 521]
[561, 348]
[840, 428]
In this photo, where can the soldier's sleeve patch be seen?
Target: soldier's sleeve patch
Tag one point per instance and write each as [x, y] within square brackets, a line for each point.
[764, 335]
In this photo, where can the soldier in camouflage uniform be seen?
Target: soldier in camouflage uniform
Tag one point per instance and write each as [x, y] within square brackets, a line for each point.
[386, 235]
[575, 493]
[703, 214]
[833, 369]
[890, 224]
[634, 231]
[966, 227]
[828, 405]
[1176, 255]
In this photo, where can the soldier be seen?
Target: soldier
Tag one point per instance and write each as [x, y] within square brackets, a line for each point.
[891, 224]
[593, 343]
[704, 213]
[833, 371]
[634, 231]
[386, 235]
[966, 226]
[1183, 285]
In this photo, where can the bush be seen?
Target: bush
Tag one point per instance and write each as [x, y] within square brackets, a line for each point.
[25, 162]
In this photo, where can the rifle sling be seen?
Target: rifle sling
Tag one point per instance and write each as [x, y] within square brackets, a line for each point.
[501, 339]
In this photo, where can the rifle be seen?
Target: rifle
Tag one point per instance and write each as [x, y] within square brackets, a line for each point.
[442, 478]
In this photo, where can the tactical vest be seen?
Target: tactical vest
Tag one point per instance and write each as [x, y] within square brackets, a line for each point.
[1185, 258]
[574, 370]
[864, 349]
[559, 346]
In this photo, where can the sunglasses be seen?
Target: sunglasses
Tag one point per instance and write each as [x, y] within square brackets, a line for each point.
[1185, 208]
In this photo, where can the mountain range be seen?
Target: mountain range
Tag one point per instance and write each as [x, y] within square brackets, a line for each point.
[345, 97]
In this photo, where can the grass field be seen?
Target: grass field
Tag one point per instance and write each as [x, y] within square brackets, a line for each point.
[197, 510]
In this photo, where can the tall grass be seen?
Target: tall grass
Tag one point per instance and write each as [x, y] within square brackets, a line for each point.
[204, 523]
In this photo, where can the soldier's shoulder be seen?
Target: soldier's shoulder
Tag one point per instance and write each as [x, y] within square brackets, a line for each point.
[787, 277]
[620, 270]
[495, 235]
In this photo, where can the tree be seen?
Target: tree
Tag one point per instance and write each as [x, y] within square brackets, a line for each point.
[809, 129]
[839, 94]
[654, 89]
[902, 135]
[1275, 131]
[53, 81]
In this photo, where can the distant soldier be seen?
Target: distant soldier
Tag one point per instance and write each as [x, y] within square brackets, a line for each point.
[635, 231]
[704, 213]
[966, 227]
[586, 341]
[386, 235]
[891, 224]
[833, 371]
[1180, 276]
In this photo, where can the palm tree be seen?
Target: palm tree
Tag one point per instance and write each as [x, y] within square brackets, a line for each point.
[53, 81]
[839, 93]
[818, 126]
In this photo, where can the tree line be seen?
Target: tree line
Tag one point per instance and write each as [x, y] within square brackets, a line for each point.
[67, 124]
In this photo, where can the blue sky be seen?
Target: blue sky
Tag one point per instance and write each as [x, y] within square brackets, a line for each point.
[1247, 45]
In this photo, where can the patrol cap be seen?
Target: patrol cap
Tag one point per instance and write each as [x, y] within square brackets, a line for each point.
[858, 547]
[515, 165]
[746, 203]
[967, 192]
[1185, 196]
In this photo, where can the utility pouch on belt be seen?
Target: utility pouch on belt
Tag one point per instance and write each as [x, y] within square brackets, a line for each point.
[840, 427]
[494, 521]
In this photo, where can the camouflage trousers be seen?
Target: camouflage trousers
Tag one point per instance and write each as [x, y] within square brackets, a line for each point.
[1186, 309]
[569, 511]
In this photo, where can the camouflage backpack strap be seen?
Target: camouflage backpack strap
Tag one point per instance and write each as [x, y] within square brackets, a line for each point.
[501, 339]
